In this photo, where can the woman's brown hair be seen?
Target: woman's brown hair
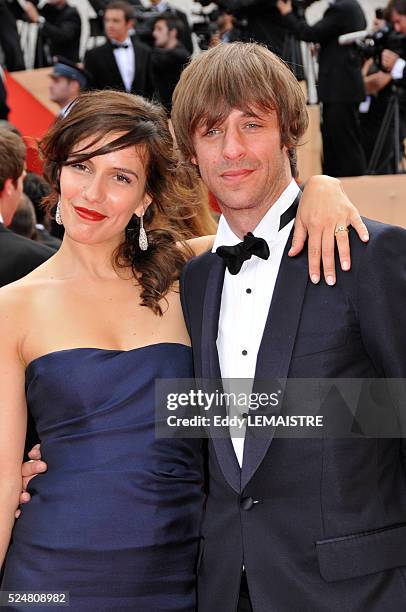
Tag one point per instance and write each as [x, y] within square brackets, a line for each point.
[143, 124]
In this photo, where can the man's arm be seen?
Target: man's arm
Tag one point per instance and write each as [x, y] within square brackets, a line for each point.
[396, 67]
[329, 27]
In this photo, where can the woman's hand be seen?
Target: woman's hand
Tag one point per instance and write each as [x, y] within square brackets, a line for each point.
[323, 208]
[29, 469]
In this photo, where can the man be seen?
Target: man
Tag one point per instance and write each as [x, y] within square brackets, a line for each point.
[59, 31]
[18, 255]
[168, 58]
[290, 524]
[10, 39]
[67, 81]
[340, 86]
[227, 32]
[394, 63]
[122, 62]
[184, 34]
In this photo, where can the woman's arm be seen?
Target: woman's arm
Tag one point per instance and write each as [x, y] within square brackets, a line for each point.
[13, 417]
[200, 245]
[325, 206]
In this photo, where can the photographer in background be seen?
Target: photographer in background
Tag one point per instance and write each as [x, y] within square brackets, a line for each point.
[393, 62]
[263, 22]
[226, 31]
[340, 87]
[380, 136]
[168, 58]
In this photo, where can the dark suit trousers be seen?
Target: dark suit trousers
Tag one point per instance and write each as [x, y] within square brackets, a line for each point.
[342, 150]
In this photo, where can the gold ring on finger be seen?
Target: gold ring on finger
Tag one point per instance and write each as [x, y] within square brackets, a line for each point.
[341, 228]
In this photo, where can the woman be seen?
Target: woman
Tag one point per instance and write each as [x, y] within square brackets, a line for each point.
[115, 520]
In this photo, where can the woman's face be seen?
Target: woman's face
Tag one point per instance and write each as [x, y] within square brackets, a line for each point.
[100, 195]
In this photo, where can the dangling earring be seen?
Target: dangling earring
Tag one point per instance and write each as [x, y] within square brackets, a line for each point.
[143, 239]
[58, 217]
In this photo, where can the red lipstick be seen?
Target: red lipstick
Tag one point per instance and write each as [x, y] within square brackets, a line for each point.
[88, 214]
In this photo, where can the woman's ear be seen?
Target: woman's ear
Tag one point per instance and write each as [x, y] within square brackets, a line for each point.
[143, 205]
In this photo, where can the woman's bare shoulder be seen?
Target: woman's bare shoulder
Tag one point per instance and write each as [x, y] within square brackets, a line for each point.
[18, 295]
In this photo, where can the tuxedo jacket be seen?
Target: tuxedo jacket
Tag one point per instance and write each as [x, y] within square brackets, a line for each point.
[101, 64]
[340, 78]
[19, 256]
[328, 531]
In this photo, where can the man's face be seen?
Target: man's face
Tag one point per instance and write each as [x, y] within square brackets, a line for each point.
[241, 160]
[399, 22]
[161, 34]
[62, 90]
[115, 25]
[11, 197]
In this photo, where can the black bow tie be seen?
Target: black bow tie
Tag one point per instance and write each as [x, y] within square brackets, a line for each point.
[120, 46]
[234, 256]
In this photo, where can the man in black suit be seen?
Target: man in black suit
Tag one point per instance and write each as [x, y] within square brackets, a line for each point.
[122, 63]
[340, 87]
[59, 31]
[18, 255]
[168, 58]
[315, 525]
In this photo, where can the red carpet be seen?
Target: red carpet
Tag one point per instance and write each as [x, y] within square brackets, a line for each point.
[29, 116]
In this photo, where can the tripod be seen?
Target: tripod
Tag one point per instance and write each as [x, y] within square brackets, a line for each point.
[391, 118]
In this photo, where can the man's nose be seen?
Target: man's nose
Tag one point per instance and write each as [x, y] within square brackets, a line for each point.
[233, 144]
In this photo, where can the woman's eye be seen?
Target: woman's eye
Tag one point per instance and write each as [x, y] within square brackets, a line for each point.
[121, 178]
[79, 166]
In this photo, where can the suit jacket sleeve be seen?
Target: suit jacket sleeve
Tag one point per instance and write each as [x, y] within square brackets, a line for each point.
[382, 300]
[329, 27]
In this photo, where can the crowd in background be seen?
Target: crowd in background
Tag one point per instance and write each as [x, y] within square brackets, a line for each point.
[361, 81]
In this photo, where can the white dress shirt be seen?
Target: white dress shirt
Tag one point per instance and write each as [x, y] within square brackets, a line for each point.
[1, 218]
[125, 59]
[246, 299]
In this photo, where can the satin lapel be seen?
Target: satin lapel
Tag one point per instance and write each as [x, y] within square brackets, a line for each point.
[275, 351]
[211, 367]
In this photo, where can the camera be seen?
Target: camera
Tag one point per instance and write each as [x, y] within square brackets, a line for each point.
[374, 44]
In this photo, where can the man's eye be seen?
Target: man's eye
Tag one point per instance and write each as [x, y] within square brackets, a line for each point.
[252, 125]
[212, 132]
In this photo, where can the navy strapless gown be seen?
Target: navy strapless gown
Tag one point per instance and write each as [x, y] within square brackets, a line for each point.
[115, 520]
